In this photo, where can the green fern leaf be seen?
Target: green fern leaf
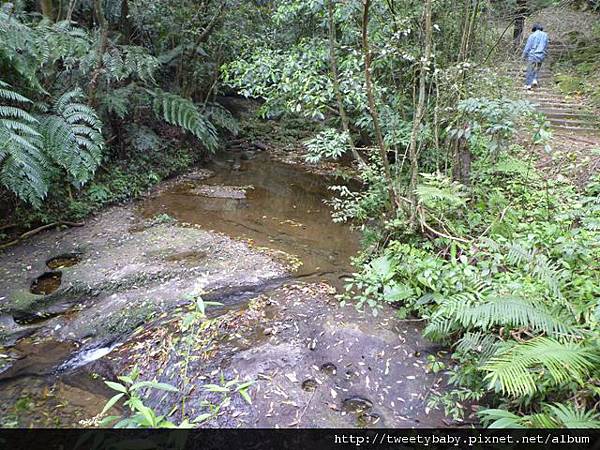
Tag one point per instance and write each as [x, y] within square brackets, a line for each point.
[184, 113]
[518, 368]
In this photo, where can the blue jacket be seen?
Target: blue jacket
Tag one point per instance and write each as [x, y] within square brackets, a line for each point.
[536, 47]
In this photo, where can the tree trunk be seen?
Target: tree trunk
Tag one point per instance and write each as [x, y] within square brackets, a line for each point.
[373, 108]
[47, 8]
[420, 108]
[70, 9]
[100, 49]
[336, 85]
[124, 22]
[461, 166]
[461, 154]
[520, 13]
[187, 85]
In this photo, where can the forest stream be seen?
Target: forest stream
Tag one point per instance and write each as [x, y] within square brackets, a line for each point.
[89, 303]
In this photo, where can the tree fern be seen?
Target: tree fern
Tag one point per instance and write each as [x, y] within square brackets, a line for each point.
[519, 368]
[72, 137]
[22, 163]
[184, 113]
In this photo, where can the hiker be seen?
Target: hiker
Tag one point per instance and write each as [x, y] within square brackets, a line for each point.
[535, 53]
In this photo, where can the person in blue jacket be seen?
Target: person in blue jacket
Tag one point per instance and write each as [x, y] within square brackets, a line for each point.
[535, 52]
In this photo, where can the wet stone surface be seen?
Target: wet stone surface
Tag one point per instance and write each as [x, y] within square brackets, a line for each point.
[389, 385]
[62, 261]
[121, 303]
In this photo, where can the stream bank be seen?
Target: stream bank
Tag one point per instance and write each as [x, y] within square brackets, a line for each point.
[256, 235]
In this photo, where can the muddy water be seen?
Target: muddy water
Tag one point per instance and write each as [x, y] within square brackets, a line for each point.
[283, 210]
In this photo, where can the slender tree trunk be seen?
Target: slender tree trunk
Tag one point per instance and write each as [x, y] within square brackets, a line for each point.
[186, 83]
[124, 22]
[461, 166]
[520, 13]
[47, 8]
[336, 84]
[461, 153]
[100, 50]
[70, 10]
[373, 108]
[420, 108]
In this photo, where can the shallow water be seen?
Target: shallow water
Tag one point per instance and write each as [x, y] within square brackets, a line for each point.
[283, 210]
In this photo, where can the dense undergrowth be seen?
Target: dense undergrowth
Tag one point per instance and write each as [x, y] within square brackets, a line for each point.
[99, 101]
[517, 302]
[498, 259]
[120, 181]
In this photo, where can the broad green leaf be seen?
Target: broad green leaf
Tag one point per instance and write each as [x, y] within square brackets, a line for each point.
[116, 386]
[154, 385]
[111, 402]
[104, 423]
[397, 292]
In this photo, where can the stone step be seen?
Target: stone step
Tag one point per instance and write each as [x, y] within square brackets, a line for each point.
[544, 89]
[559, 102]
[569, 115]
[561, 106]
[579, 131]
[521, 73]
[571, 123]
[531, 95]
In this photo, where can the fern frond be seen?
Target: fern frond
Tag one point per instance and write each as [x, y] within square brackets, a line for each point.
[438, 189]
[518, 369]
[558, 415]
[7, 93]
[500, 418]
[513, 312]
[572, 417]
[482, 343]
[184, 113]
[72, 137]
[117, 101]
[443, 320]
[222, 118]
[129, 61]
[23, 165]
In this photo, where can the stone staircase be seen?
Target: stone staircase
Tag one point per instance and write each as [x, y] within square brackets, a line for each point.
[568, 115]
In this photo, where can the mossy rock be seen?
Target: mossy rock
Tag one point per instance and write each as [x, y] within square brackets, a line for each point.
[21, 301]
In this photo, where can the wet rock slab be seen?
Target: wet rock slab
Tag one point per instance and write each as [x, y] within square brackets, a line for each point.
[230, 192]
[120, 277]
[315, 364]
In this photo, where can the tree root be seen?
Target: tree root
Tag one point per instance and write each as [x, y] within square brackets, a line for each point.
[38, 230]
